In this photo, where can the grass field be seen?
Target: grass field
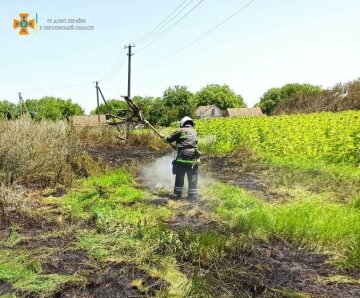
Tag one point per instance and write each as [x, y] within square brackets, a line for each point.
[270, 222]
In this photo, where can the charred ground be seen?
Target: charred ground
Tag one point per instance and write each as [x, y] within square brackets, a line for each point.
[272, 268]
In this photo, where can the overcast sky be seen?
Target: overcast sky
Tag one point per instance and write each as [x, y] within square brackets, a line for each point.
[268, 44]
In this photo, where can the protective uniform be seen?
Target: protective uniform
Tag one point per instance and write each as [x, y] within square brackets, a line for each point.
[187, 158]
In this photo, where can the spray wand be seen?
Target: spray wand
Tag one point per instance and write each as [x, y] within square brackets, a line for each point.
[156, 131]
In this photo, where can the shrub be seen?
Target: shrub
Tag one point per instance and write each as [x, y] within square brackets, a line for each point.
[41, 154]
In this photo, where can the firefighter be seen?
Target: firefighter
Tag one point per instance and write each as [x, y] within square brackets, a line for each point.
[187, 158]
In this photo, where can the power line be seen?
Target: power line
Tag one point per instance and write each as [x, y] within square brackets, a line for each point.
[159, 35]
[199, 38]
[117, 83]
[115, 67]
[113, 71]
[161, 23]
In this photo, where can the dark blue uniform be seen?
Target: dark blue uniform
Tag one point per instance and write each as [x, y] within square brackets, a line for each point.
[186, 161]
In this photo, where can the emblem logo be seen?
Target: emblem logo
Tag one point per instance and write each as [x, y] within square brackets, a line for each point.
[24, 24]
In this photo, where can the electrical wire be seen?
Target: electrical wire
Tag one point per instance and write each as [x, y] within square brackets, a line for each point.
[118, 63]
[169, 23]
[162, 23]
[117, 83]
[159, 35]
[199, 38]
[113, 71]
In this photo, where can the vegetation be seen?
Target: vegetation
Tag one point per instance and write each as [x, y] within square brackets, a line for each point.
[46, 108]
[8, 110]
[274, 96]
[325, 138]
[341, 97]
[176, 103]
[123, 226]
[220, 95]
[113, 107]
[180, 102]
[308, 219]
[51, 108]
[37, 155]
[72, 227]
[43, 154]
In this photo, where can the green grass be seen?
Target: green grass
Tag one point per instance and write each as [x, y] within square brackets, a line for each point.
[309, 220]
[112, 202]
[124, 227]
[23, 271]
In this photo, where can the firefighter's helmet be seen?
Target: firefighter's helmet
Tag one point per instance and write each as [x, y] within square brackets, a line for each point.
[186, 120]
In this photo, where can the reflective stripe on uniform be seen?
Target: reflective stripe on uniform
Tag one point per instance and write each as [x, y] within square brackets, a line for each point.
[193, 190]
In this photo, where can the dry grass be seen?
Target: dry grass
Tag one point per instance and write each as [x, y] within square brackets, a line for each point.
[41, 154]
[93, 136]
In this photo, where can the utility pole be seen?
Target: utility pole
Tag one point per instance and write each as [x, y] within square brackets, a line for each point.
[129, 84]
[98, 102]
[21, 102]
[129, 67]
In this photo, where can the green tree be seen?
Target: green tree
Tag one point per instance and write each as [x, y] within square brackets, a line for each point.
[145, 104]
[8, 110]
[179, 102]
[269, 100]
[113, 107]
[159, 114]
[273, 96]
[52, 108]
[220, 95]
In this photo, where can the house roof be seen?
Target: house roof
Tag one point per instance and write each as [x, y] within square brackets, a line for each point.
[233, 112]
[204, 109]
[88, 120]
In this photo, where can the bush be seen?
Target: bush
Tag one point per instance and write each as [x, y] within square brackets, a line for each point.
[106, 136]
[41, 154]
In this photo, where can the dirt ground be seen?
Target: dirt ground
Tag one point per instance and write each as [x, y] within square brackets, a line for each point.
[269, 265]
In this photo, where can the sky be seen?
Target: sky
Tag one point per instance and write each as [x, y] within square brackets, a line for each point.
[267, 44]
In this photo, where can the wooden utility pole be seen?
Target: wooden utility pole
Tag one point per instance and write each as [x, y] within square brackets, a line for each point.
[98, 102]
[21, 102]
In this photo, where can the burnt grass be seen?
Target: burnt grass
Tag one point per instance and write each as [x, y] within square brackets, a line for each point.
[5, 288]
[270, 265]
[114, 281]
[268, 269]
[108, 280]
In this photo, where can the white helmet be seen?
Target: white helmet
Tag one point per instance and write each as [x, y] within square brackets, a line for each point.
[186, 120]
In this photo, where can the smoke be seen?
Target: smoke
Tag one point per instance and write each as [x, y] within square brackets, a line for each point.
[158, 175]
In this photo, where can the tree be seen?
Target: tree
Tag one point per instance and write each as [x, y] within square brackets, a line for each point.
[159, 114]
[52, 108]
[269, 100]
[145, 104]
[220, 95]
[179, 103]
[273, 96]
[112, 107]
[8, 110]
[341, 97]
